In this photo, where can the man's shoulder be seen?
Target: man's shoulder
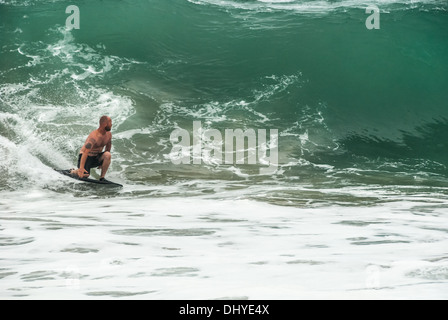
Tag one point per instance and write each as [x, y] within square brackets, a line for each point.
[93, 134]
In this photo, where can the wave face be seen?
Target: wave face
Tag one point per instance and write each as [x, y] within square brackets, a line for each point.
[351, 105]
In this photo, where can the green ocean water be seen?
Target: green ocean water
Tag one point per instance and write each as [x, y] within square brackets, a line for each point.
[352, 106]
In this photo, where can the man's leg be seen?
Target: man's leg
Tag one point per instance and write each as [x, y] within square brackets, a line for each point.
[106, 158]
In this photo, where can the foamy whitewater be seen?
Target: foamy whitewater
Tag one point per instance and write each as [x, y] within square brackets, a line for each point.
[356, 207]
[178, 248]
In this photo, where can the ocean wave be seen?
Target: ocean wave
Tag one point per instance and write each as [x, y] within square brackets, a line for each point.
[27, 3]
[340, 97]
[316, 7]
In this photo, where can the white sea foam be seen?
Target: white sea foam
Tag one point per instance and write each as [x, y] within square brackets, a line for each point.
[192, 248]
[309, 6]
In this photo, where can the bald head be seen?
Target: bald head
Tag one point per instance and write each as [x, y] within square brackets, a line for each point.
[106, 123]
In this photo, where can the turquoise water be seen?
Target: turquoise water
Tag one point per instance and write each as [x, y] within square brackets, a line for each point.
[361, 115]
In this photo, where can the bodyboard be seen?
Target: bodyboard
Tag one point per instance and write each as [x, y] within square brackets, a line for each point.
[89, 180]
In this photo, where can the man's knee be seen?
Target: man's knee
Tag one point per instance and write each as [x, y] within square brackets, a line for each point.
[107, 156]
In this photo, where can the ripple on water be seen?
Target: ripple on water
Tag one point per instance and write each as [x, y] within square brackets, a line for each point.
[39, 275]
[6, 272]
[430, 273]
[164, 232]
[80, 250]
[117, 294]
[178, 271]
[14, 241]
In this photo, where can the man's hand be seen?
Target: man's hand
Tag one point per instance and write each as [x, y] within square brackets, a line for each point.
[82, 173]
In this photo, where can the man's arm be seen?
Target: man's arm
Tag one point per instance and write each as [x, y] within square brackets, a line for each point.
[88, 145]
[109, 144]
[82, 171]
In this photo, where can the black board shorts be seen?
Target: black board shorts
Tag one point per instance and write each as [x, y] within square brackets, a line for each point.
[91, 162]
